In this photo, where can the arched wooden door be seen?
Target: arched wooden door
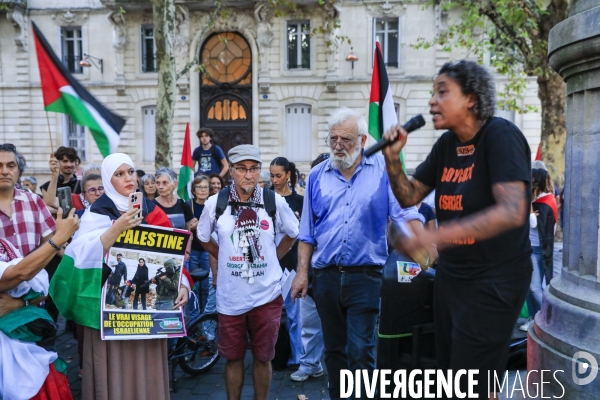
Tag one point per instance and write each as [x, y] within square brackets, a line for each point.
[226, 89]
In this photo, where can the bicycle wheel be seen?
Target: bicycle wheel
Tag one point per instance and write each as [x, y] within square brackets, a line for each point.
[201, 347]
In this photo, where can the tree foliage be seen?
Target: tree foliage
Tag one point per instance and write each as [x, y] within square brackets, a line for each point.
[514, 33]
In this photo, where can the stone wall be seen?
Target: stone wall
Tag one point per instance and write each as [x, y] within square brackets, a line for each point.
[330, 83]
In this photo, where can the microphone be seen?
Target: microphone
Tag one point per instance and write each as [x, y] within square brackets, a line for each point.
[412, 124]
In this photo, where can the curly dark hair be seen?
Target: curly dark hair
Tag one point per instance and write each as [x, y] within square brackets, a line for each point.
[68, 152]
[208, 131]
[477, 80]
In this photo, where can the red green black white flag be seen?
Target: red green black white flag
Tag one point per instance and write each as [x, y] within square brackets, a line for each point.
[63, 94]
[186, 173]
[382, 114]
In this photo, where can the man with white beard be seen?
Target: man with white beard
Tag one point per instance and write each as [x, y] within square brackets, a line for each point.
[347, 205]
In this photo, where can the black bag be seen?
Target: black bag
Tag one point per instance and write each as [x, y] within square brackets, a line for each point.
[283, 346]
[46, 329]
[517, 356]
[398, 324]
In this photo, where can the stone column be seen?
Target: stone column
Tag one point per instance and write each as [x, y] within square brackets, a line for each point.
[569, 321]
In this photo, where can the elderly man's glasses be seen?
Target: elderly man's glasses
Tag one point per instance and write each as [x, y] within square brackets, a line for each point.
[8, 147]
[244, 171]
[332, 141]
[93, 191]
[203, 188]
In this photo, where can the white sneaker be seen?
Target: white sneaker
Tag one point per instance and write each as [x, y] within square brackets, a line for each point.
[301, 376]
[525, 326]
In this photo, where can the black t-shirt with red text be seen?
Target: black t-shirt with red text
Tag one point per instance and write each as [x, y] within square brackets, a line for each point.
[462, 175]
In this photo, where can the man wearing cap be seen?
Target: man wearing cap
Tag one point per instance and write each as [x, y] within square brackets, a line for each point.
[248, 248]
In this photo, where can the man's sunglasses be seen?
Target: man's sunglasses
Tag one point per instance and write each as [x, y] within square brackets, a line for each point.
[8, 147]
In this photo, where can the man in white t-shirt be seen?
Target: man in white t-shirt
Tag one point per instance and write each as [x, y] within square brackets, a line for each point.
[249, 298]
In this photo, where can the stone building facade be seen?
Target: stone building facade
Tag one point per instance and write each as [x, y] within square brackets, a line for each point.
[269, 83]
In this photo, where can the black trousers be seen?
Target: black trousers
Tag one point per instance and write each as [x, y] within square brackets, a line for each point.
[135, 301]
[474, 320]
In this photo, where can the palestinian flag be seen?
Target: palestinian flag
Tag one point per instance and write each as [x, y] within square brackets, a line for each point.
[186, 174]
[62, 93]
[76, 286]
[382, 114]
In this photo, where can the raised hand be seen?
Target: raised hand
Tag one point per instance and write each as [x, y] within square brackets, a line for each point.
[65, 227]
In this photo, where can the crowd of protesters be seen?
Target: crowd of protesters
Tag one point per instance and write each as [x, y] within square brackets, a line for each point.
[486, 227]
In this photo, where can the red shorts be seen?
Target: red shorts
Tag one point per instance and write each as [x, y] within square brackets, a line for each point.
[261, 324]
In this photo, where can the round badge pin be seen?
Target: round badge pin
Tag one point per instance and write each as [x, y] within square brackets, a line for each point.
[264, 225]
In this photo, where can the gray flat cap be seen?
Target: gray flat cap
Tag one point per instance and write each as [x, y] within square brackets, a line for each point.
[244, 152]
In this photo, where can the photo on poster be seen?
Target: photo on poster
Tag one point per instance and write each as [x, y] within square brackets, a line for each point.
[140, 293]
[148, 280]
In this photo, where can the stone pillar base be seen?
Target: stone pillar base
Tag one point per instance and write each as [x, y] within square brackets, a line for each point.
[567, 324]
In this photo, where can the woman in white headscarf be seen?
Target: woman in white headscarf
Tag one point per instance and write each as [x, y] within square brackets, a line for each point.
[132, 369]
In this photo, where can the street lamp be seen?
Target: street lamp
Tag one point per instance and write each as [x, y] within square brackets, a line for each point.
[88, 61]
[352, 57]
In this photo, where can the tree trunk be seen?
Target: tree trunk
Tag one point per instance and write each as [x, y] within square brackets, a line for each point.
[164, 34]
[552, 93]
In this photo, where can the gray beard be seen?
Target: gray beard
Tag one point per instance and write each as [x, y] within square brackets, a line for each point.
[347, 161]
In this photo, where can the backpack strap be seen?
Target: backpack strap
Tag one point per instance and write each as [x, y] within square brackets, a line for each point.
[222, 201]
[268, 200]
[270, 205]
[215, 155]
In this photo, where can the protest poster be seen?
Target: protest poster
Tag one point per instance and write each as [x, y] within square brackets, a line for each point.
[139, 295]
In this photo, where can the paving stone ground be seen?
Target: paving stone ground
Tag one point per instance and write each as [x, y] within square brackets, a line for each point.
[210, 386]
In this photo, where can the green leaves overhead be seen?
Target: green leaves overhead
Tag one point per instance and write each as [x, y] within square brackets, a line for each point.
[511, 34]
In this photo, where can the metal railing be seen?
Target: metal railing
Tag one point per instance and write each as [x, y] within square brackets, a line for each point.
[72, 64]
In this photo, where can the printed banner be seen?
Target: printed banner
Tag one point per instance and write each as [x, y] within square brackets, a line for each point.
[139, 295]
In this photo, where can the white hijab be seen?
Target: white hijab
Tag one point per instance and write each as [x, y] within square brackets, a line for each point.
[109, 166]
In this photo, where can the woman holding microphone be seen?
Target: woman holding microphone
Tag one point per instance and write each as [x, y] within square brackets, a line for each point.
[480, 169]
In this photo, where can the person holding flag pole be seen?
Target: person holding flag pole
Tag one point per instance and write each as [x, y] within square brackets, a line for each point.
[62, 93]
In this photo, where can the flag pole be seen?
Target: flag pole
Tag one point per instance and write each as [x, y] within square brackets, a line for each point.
[50, 134]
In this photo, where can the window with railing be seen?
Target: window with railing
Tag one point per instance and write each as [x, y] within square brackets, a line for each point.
[148, 49]
[72, 48]
[75, 137]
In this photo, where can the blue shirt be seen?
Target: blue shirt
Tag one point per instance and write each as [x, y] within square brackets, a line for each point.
[346, 222]
[209, 161]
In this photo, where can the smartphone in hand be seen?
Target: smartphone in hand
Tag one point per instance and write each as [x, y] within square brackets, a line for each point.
[135, 203]
[64, 200]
